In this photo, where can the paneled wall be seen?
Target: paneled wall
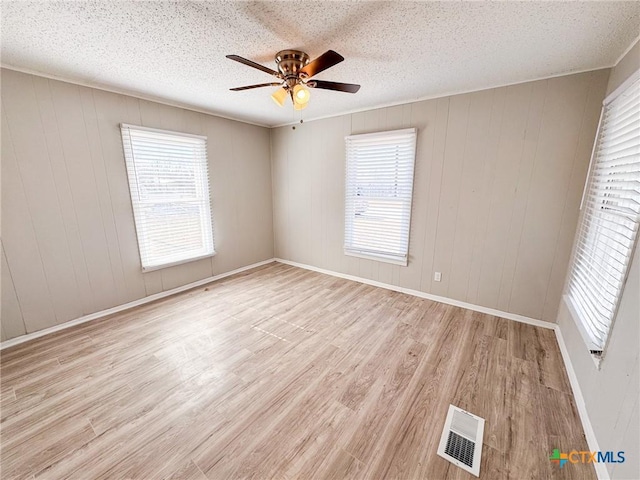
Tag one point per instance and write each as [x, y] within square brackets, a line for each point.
[628, 65]
[612, 392]
[498, 180]
[68, 238]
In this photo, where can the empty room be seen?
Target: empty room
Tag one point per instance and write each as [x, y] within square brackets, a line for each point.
[382, 240]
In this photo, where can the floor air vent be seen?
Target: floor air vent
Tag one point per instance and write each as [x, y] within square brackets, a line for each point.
[461, 441]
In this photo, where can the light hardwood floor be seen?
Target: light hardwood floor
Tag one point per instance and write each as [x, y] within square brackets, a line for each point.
[284, 373]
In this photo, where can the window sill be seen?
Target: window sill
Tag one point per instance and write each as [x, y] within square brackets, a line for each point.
[597, 360]
[173, 264]
[377, 258]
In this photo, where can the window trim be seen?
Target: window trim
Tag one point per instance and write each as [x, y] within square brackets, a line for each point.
[381, 257]
[160, 130]
[377, 257]
[176, 263]
[151, 268]
[621, 88]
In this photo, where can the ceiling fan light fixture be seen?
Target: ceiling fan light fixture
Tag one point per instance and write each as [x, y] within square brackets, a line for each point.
[301, 95]
[279, 96]
[294, 69]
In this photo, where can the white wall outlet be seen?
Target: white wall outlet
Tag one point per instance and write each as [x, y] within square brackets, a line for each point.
[437, 276]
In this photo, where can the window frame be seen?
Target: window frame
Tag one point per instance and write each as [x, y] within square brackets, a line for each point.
[387, 257]
[596, 351]
[134, 194]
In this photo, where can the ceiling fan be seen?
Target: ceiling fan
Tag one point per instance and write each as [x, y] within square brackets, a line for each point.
[294, 74]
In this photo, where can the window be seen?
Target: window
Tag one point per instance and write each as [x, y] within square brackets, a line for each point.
[611, 213]
[169, 184]
[379, 186]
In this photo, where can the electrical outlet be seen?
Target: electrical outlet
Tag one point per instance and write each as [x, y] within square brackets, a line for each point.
[437, 276]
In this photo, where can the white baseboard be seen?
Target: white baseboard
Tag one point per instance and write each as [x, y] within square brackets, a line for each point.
[103, 313]
[428, 296]
[600, 468]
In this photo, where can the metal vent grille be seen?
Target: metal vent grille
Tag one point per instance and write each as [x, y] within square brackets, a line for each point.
[461, 440]
[460, 448]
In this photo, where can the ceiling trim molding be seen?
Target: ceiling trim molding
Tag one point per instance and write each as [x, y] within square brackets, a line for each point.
[130, 93]
[628, 49]
[150, 98]
[442, 95]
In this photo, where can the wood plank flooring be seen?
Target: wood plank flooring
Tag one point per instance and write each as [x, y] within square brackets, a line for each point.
[284, 373]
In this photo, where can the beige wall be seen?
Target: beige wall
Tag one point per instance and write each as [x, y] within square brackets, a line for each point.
[68, 238]
[498, 180]
[628, 65]
[612, 393]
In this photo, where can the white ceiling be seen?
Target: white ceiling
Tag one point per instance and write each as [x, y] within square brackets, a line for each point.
[398, 51]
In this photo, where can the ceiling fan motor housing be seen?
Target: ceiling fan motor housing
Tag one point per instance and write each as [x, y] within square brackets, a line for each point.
[290, 62]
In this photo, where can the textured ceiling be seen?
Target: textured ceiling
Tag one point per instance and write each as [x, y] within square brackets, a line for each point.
[398, 51]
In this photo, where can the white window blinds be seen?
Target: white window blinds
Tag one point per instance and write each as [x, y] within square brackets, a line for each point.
[169, 184]
[379, 187]
[609, 224]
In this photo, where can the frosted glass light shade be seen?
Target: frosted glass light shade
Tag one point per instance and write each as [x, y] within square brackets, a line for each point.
[279, 96]
[301, 95]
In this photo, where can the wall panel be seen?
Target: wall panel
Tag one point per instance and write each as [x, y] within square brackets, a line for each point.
[69, 242]
[497, 176]
[32, 159]
[21, 248]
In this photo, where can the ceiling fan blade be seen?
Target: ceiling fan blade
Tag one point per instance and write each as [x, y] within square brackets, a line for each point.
[340, 87]
[327, 60]
[240, 59]
[249, 87]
